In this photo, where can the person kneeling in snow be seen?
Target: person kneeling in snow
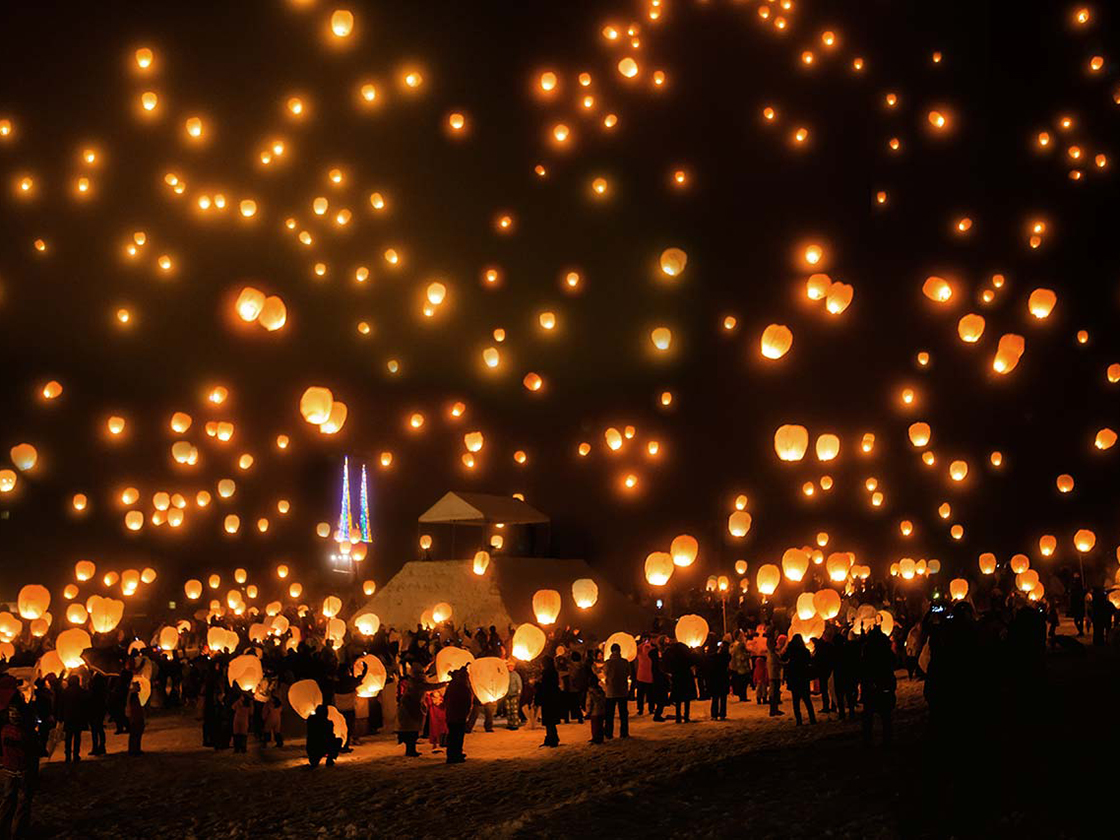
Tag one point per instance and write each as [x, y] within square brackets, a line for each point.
[321, 741]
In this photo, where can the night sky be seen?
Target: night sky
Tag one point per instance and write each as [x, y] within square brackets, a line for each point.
[753, 200]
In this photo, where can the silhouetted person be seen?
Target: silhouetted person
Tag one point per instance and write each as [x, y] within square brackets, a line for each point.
[797, 661]
[682, 683]
[616, 679]
[1102, 615]
[717, 678]
[549, 699]
[98, 698]
[321, 742]
[457, 706]
[877, 682]
[1077, 603]
[75, 716]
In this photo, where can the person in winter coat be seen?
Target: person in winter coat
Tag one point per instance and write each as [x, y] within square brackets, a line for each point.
[437, 719]
[740, 667]
[242, 714]
[457, 702]
[659, 692]
[616, 679]
[75, 716]
[913, 648]
[321, 741]
[273, 711]
[19, 759]
[549, 699]
[682, 682]
[760, 675]
[513, 697]
[716, 665]
[797, 663]
[136, 722]
[877, 681]
[579, 677]
[410, 709]
[775, 646]
[98, 697]
[823, 657]
[596, 710]
[644, 675]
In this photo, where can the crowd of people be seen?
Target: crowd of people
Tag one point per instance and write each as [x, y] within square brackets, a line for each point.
[849, 672]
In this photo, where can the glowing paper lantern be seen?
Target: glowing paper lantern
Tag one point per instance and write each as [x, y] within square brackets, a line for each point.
[84, 570]
[245, 671]
[24, 456]
[546, 605]
[489, 677]
[481, 562]
[987, 563]
[958, 589]
[659, 568]
[776, 341]
[104, 613]
[691, 630]
[673, 261]
[315, 404]
[827, 604]
[168, 638]
[441, 612]
[1008, 353]
[1041, 303]
[768, 578]
[332, 605]
[1084, 540]
[1019, 563]
[795, 562]
[375, 676]
[790, 442]
[76, 614]
[528, 642]
[828, 447]
[367, 623]
[806, 608]
[33, 601]
[71, 644]
[304, 697]
[1105, 439]
[684, 549]
[739, 523]
[970, 328]
[274, 314]
[585, 592]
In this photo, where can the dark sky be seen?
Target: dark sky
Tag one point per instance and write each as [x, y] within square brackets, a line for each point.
[1008, 71]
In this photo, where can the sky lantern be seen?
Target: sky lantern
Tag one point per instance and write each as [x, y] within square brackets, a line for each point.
[33, 601]
[489, 677]
[441, 612]
[546, 605]
[274, 313]
[958, 589]
[919, 434]
[585, 592]
[937, 289]
[691, 630]
[970, 327]
[795, 562]
[828, 447]
[817, 286]
[1046, 544]
[24, 456]
[245, 671]
[673, 262]
[367, 623]
[336, 419]
[528, 642]
[659, 568]
[1084, 540]
[451, 659]
[374, 677]
[332, 605]
[304, 697]
[7, 481]
[661, 337]
[1064, 483]
[1008, 353]
[826, 603]
[249, 304]
[1105, 439]
[684, 549]
[342, 25]
[315, 404]
[839, 298]
[104, 613]
[790, 442]
[837, 566]
[958, 470]
[739, 523]
[368, 588]
[76, 614]
[768, 578]
[1041, 303]
[907, 568]
[473, 441]
[134, 520]
[776, 341]
[806, 608]
[1019, 563]
[481, 562]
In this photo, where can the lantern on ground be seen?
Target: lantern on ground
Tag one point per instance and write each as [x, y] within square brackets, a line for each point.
[489, 678]
[481, 562]
[691, 630]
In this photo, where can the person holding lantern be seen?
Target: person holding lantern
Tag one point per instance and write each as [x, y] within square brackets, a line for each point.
[457, 701]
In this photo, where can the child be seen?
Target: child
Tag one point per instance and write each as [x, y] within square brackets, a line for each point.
[437, 719]
[596, 709]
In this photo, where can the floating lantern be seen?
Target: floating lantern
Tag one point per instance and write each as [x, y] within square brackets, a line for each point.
[585, 592]
[489, 677]
[528, 642]
[684, 549]
[659, 568]
[790, 442]
[546, 605]
[691, 630]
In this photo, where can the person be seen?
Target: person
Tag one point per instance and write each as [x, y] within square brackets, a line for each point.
[1102, 615]
[321, 741]
[760, 675]
[877, 682]
[797, 662]
[682, 683]
[913, 648]
[775, 646]
[659, 692]
[1077, 603]
[457, 702]
[596, 709]
[410, 711]
[548, 699]
[716, 667]
[578, 680]
[616, 677]
[644, 674]
[135, 714]
[513, 697]
[437, 719]
[98, 696]
[823, 657]
[19, 759]
[740, 666]
[273, 710]
[75, 716]
[242, 713]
